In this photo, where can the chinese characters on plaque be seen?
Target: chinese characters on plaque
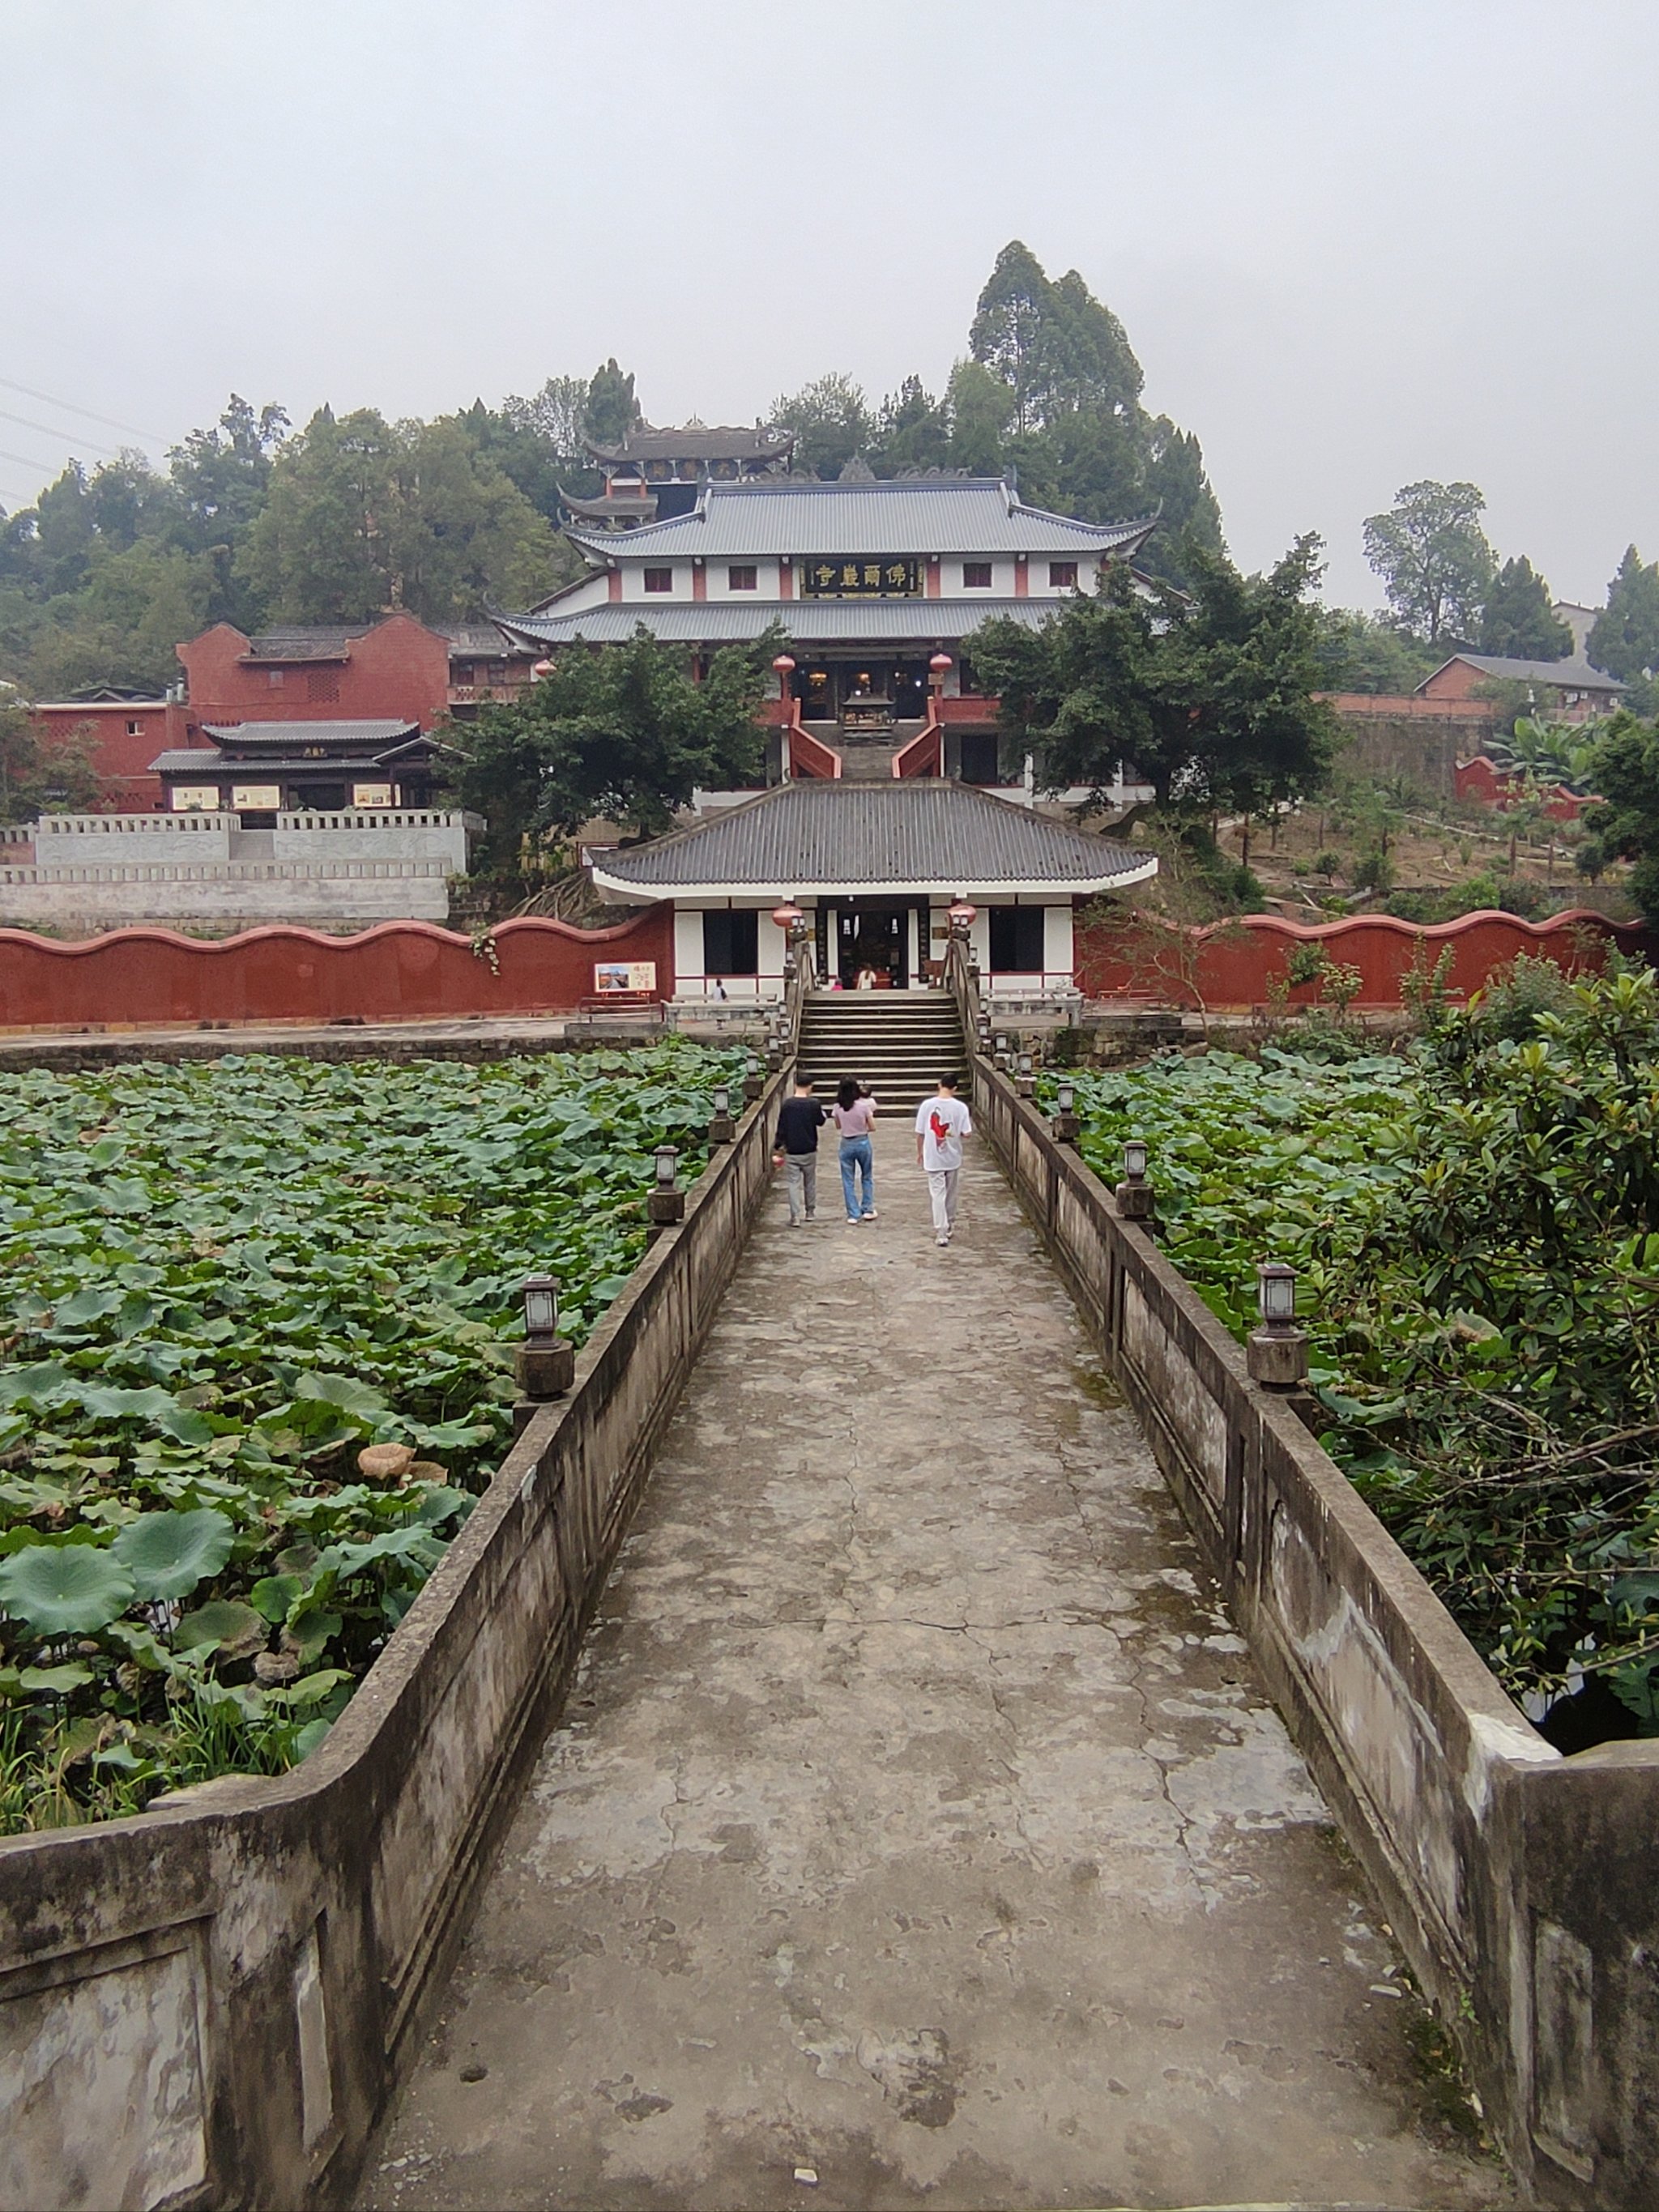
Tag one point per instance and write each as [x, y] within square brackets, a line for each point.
[823, 577]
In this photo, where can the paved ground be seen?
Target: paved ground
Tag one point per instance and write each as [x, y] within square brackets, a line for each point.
[917, 1822]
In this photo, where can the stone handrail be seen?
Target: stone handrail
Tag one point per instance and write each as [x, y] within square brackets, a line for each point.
[1520, 1882]
[208, 2005]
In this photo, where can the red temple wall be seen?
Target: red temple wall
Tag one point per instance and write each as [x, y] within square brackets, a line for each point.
[1236, 960]
[400, 971]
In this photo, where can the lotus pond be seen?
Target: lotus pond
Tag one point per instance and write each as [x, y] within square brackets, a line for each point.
[256, 1324]
[1475, 1222]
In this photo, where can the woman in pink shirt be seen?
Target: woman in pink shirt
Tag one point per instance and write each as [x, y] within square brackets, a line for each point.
[854, 1113]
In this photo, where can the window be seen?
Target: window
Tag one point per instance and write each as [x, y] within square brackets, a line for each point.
[975, 575]
[1063, 576]
[274, 679]
[744, 577]
[660, 580]
[1016, 940]
[322, 684]
[135, 729]
[730, 943]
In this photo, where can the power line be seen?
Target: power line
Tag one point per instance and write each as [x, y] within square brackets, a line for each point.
[68, 407]
[46, 429]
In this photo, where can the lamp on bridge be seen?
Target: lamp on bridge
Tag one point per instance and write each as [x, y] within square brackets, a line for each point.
[753, 1083]
[666, 1204]
[544, 1366]
[1027, 1083]
[962, 916]
[1065, 1125]
[1134, 1193]
[1276, 1353]
[721, 1126]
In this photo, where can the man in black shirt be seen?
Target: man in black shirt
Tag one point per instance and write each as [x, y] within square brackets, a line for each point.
[799, 1120]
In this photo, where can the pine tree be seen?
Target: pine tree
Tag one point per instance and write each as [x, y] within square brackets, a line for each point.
[1518, 620]
[1625, 639]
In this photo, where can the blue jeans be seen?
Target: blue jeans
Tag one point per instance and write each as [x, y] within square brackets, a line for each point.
[856, 1160]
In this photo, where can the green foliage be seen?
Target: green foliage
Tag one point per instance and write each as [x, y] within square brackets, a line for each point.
[1625, 640]
[830, 420]
[1434, 559]
[612, 411]
[1516, 617]
[1358, 653]
[1624, 768]
[912, 431]
[44, 772]
[619, 731]
[222, 1282]
[363, 516]
[1476, 1229]
[1208, 694]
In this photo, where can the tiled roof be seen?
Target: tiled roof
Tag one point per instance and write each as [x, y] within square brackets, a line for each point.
[1570, 675]
[697, 443]
[925, 834]
[479, 640]
[772, 516]
[307, 641]
[271, 737]
[808, 621]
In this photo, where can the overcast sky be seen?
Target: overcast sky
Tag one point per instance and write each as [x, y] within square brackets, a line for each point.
[1353, 243]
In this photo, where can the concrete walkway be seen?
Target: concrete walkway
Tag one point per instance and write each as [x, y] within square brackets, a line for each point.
[917, 1832]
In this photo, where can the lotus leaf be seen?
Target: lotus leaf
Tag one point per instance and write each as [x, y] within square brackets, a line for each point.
[236, 1629]
[59, 1589]
[167, 1554]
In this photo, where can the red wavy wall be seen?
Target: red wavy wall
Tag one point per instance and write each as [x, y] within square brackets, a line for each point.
[1236, 960]
[401, 971]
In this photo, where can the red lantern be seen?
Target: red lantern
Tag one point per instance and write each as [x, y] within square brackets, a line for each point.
[542, 668]
[939, 663]
[961, 915]
[787, 915]
[784, 664]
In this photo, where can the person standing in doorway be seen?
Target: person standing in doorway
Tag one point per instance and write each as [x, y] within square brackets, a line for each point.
[855, 1115]
[942, 1122]
[799, 1120]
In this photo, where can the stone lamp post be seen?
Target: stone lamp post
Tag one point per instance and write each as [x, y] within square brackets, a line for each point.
[1276, 1353]
[1065, 1124]
[544, 1364]
[722, 1128]
[1134, 1193]
[666, 1203]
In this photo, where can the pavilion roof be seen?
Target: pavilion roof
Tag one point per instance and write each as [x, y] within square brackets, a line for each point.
[698, 441]
[363, 737]
[922, 834]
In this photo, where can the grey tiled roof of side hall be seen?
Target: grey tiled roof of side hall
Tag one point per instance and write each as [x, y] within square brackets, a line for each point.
[769, 517]
[1573, 674]
[928, 830]
[268, 735]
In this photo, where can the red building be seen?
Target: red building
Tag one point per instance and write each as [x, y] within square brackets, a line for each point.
[393, 670]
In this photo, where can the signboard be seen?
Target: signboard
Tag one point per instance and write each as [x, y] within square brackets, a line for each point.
[194, 799]
[863, 578]
[624, 975]
[255, 798]
[371, 794]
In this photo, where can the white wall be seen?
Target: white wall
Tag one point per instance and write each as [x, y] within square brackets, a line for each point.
[766, 580]
[1057, 955]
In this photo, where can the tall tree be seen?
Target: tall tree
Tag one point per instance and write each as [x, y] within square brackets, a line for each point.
[1625, 640]
[1434, 559]
[321, 548]
[1008, 332]
[1624, 768]
[619, 732]
[830, 420]
[980, 408]
[612, 410]
[220, 477]
[1208, 693]
[912, 431]
[462, 534]
[1517, 619]
[1177, 487]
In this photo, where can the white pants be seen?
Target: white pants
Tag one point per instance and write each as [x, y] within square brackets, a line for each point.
[942, 1190]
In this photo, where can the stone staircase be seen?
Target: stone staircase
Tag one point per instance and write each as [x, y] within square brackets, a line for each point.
[896, 1043]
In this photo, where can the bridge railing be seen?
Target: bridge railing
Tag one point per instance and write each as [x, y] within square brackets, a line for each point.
[1520, 1882]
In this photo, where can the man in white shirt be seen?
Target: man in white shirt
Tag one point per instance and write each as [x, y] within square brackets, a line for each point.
[942, 1122]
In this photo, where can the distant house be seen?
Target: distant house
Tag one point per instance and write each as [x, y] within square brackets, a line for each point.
[1584, 691]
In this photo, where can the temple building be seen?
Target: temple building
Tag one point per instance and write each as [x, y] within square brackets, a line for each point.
[876, 585]
[257, 770]
[656, 474]
[874, 868]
